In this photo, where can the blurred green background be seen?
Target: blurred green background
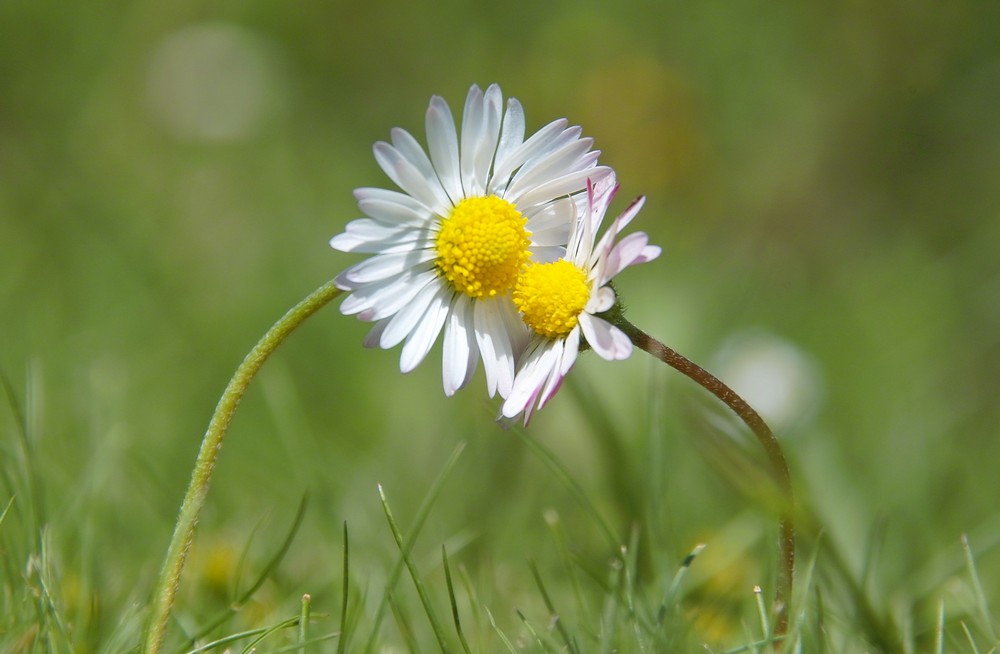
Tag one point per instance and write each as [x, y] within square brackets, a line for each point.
[823, 180]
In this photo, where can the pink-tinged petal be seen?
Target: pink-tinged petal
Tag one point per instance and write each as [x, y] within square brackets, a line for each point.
[428, 191]
[624, 254]
[555, 378]
[381, 266]
[393, 207]
[581, 241]
[648, 253]
[409, 316]
[609, 342]
[570, 351]
[631, 211]
[375, 334]
[601, 192]
[537, 365]
[385, 298]
[460, 355]
[600, 300]
[421, 339]
[442, 141]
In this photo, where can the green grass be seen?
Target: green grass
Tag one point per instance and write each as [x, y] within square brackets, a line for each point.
[821, 177]
[564, 579]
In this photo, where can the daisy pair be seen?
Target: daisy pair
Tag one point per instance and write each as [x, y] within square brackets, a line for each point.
[493, 240]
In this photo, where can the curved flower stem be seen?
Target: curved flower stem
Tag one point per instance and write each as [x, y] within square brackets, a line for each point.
[775, 457]
[194, 499]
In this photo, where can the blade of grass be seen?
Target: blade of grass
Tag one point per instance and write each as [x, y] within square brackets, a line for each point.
[533, 632]
[765, 627]
[232, 638]
[345, 596]
[265, 573]
[675, 584]
[52, 612]
[609, 616]
[267, 633]
[454, 602]
[630, 569]
[418, 522]
[968, 635]
[503, 637]
[418, 581]
[404, 625]
[939, 630]
[304, 617]
[22, 420]
[553, 613]
[984, 609]
[470, 592]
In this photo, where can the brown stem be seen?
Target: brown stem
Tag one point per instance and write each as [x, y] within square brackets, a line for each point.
[775, 457]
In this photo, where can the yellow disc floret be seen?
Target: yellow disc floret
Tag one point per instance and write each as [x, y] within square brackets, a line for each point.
[551, 296]
[482, 246]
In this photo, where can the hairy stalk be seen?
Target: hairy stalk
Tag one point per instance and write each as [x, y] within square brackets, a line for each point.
[775, 457]
[211, 445]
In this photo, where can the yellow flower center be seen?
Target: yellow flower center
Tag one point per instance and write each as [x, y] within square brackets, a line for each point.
[482, 246]
[551, 296]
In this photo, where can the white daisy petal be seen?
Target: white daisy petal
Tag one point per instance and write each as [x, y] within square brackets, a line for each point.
[473, 127]
[572, 349]
[547, 254]
[408, 317]
[537, 143]
[392, 207]
[383, 299]
[554, 164]
[601, 299]
[381, 266]
[366, 235]
[511, 136]
[422, 338]
[442, 141]
[605, 339]
[563, 185]
[411, 150]
[485, 150]
[409, 178]
[460, 353]
[495, 345]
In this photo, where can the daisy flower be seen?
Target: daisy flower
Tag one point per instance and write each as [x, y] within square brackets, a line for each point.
[562, 301]
[475, 208]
